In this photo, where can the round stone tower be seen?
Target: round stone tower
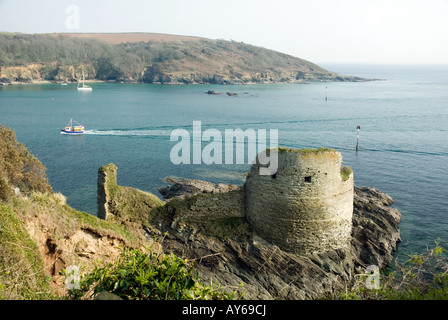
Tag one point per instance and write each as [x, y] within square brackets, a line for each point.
[307, 205]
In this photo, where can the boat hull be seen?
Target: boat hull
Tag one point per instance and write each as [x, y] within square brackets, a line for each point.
[73, 133]
[84, 89]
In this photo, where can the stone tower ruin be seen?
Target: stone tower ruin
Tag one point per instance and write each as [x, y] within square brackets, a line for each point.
[307, 205]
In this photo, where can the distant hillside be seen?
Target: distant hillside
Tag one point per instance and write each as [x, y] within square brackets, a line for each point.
[116, 38]
[149, 58]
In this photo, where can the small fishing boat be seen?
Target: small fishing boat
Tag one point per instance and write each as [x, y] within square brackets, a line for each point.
[84, 87]
[73, 130]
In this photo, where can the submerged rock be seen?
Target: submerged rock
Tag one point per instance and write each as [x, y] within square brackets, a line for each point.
[213, 92]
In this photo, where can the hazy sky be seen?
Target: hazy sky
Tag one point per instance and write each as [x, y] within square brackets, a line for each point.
[322, 31]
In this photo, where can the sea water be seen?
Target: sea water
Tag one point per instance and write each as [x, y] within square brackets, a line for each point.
[403, 146]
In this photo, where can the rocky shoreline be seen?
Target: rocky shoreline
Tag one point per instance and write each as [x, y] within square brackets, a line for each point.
[39, 74]
[204, 222]
[199, 222]
[8, 82]
[271, 273]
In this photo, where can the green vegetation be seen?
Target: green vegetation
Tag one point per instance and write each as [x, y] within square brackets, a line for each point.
[32, 217]
[128, 204]
[346, 172]
[302, 151]
[23, 49]
[19, 168]
[422, 277]
[148, 276]
[315, 151]
[66, 219]
[131, 204]
[27, 201]
[40, 236]
[210, 224]
[61, 57]
[22, 272]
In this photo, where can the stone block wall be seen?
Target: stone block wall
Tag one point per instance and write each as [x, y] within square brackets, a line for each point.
[307, 206]
[130, 205]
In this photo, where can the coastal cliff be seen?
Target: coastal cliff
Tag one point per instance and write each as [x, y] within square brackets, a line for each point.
[41, 236]
[208, 224]
[269, 272]
[203, 222]
[150, 58]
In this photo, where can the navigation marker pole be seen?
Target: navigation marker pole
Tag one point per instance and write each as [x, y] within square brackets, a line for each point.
[357, 138]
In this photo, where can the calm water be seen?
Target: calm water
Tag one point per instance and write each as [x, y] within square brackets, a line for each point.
[403, 141]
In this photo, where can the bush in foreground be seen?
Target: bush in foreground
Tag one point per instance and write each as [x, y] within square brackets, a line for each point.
[148, 276]
[421, 277]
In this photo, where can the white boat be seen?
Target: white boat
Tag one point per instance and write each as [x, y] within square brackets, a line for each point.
[84, 87]
[73, 130]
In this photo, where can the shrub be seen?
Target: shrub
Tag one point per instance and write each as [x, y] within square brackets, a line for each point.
[19, 167]
[421, 277]
[346, 172]
[148, 276]
[5, 190]
[22, 271]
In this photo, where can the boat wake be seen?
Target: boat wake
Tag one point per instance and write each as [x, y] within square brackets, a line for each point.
[129, 132]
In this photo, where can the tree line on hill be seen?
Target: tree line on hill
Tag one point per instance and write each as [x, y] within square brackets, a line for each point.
[206, 61]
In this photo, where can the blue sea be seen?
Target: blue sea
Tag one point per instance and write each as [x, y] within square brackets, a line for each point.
[403, 146]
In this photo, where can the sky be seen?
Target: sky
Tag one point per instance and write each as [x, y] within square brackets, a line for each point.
[321, 31]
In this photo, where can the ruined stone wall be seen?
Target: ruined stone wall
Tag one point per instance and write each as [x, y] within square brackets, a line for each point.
[210, 214]
[219, 205]
[307, 206]
[107, 175]
[130, 205]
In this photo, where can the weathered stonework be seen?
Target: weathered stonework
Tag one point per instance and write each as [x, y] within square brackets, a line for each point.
[212, 206]
[300, 234]
[211, 214]
[307, 206]
[128, 204]
[106, 175]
